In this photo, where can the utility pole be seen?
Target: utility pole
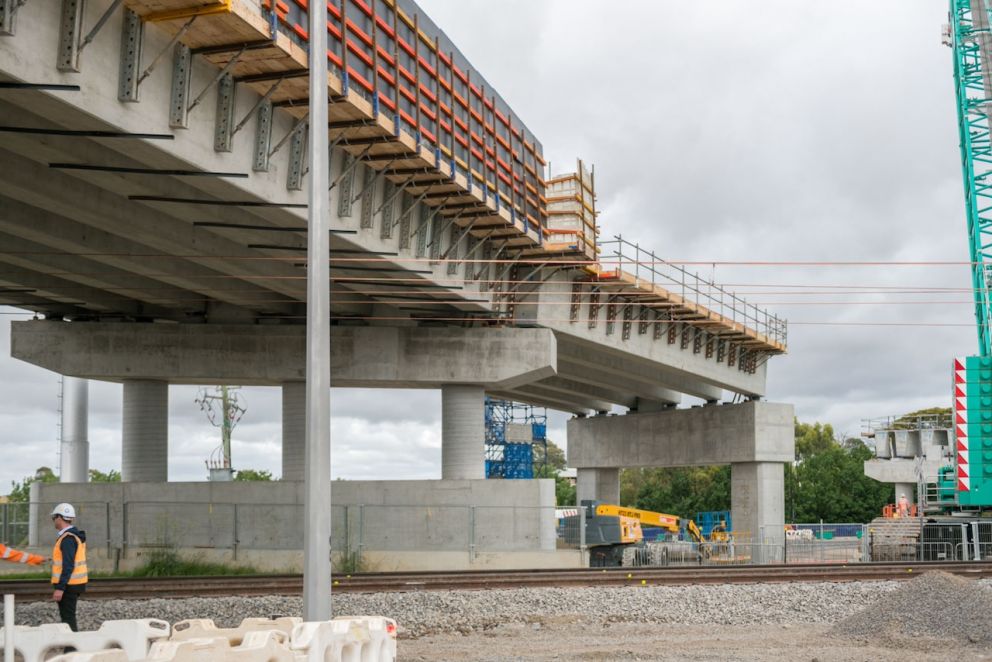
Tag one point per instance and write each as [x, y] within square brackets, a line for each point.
[317, 509]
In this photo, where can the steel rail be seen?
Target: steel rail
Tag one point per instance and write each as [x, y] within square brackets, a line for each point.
[254, 585]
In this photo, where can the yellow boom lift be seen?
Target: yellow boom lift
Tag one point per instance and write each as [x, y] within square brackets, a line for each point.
[611, 529]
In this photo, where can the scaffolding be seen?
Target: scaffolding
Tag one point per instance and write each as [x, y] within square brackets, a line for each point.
[516, 439]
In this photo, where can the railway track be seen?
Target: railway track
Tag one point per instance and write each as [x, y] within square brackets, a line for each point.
[249, 585]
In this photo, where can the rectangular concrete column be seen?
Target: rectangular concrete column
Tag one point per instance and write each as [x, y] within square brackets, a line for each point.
[145, 456]
[597, 485]
[757, 501]
[463, 432]
[294, 400]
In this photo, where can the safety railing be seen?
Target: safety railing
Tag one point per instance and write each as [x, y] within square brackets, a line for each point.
[642, 264]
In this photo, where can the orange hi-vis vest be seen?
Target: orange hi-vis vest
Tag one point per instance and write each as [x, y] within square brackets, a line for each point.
[79, 572]
[17, 556]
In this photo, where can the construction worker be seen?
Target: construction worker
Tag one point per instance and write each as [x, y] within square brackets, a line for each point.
[17, 556]
[903, 506]
[69, 573]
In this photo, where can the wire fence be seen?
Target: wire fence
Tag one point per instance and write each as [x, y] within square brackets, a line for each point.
[361, 528]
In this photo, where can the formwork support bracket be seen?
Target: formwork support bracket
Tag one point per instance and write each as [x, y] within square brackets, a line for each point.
[181, 74]
[389, 192]
[70, 26]
[224, 127]
[611, 314]
[8, 15]
[642, 320]
[297, 160]
[263, 137]
[346, 181]
[628, 316]
[132, 33]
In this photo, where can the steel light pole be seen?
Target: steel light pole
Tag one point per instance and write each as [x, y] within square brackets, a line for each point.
[317, 511]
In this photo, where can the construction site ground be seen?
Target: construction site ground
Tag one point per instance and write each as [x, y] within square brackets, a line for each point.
[569, 639]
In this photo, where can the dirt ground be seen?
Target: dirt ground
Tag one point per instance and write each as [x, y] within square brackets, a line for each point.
[632, 641]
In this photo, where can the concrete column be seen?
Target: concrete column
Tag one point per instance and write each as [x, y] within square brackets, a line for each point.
[146, 431]
[294, 449]
[597, 485]
[757, 500]
[462, 432]
[909, 489]
[75, 445]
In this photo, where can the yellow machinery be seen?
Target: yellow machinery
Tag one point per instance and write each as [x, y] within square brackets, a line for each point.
[609, 529]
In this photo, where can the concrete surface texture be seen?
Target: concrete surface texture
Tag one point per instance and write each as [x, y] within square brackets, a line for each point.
[74, 451]
[463, 516]
[294, 400]
[597, 485]
[719, 434]
[757, 501]
[462, 432]
[145, 433]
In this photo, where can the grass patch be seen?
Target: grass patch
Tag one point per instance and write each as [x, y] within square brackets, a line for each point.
[168, 563]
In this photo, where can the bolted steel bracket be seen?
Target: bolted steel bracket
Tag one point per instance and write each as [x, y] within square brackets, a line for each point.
[224, 128]
[70, 26]
[368, 197]
[132, 31]
[297, 159]
[182, 70]
[423, 230]
[404, 222]
[347, 182]
[388, 207]
[263, 137]
[452, 252]
[8, 16]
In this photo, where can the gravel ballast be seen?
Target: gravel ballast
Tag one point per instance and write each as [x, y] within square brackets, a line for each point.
[429, 612]
[936, 605]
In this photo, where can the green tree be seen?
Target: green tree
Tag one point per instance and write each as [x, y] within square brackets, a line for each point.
[812, 439]
[564, 490]
[21, 492]
[246, 475]
[555, 456]
[112, 476]
[684, 491]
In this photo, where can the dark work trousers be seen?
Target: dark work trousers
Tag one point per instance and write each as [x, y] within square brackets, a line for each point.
[67, 605]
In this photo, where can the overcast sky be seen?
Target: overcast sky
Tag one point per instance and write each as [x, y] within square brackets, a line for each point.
[720, 131]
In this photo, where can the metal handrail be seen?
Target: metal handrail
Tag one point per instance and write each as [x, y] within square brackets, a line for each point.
[692, 288]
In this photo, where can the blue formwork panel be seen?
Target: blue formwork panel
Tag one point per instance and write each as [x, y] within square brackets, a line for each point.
[518, 461]
[539, 431]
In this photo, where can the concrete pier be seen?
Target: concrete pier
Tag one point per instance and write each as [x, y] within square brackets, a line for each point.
[145, 456]
[755, 438]
[597, 485]
[75, 445]
[294, 400]
[462, 432]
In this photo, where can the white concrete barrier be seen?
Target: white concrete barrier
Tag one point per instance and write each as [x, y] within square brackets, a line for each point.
[349, 639]
[346, 639]
[35, 644]
[204, 628]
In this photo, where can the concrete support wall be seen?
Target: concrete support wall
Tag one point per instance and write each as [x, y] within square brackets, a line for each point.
[145, 456]
[75, 445]
[294, 400]
[427, 516]
[757, 500]
[462, 432]
[597, 485]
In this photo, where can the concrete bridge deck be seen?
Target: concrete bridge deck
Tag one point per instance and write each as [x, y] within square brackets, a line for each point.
[111, 212]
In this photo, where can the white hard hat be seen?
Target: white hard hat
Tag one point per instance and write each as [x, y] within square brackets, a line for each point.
[65, 511]
[899, 495]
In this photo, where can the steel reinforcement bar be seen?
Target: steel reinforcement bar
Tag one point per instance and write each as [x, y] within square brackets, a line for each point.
[249, 585]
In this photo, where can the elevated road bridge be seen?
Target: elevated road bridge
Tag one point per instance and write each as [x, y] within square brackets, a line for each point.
[153, 215]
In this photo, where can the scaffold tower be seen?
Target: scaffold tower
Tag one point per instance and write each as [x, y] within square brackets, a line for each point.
[516, 439]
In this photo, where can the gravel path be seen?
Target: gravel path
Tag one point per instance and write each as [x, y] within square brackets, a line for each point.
[422, 613]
